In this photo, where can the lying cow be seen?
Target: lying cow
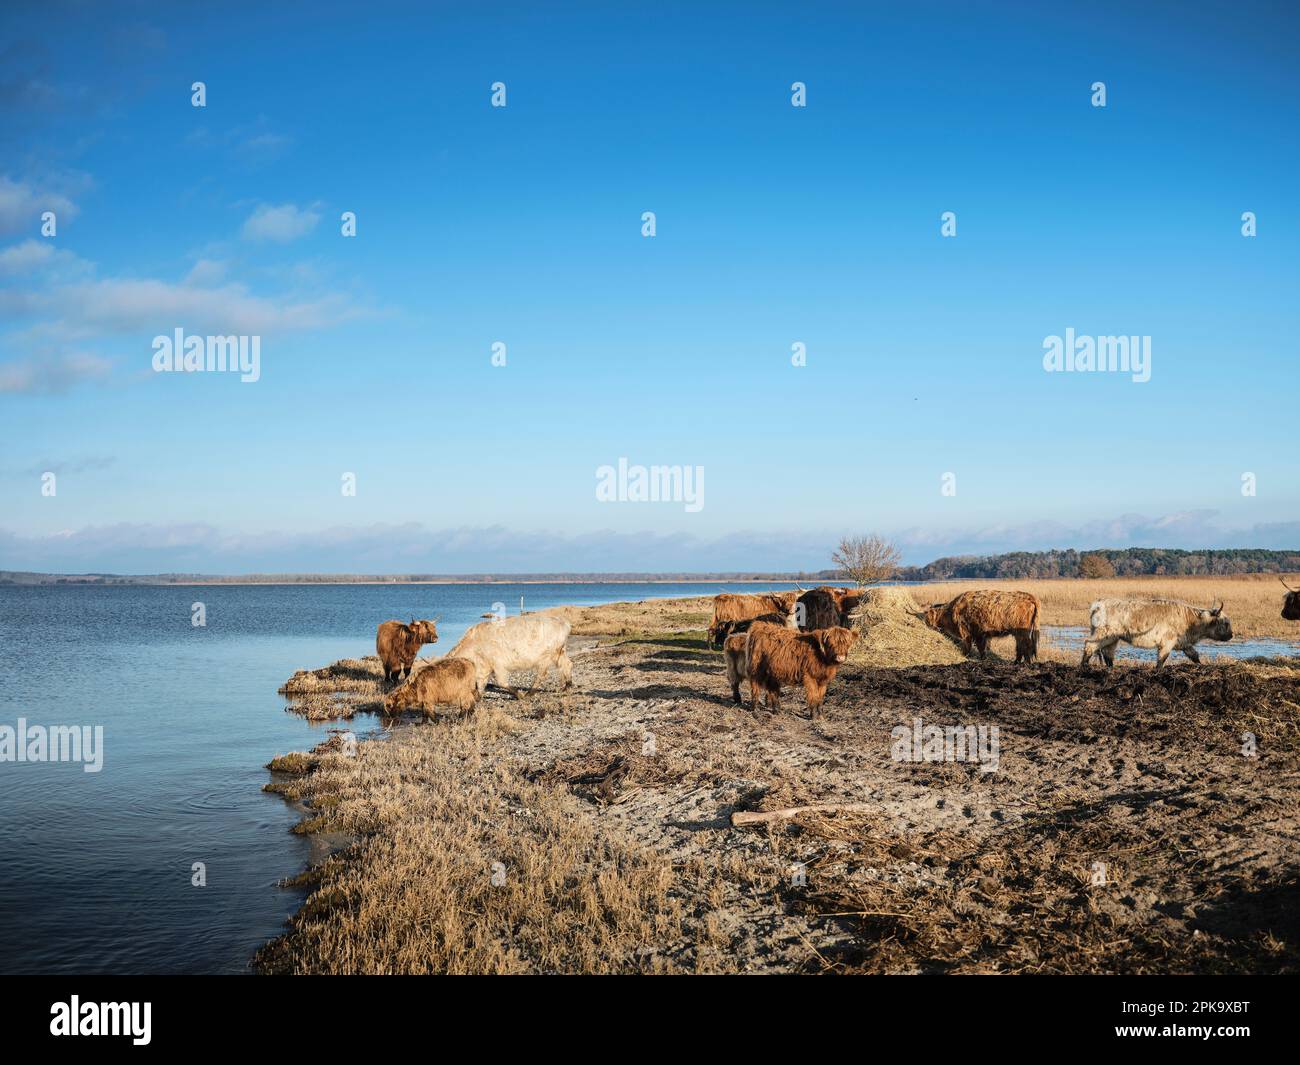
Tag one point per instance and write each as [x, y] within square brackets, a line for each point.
[729, 608]
[528, 641]
[978, 616]
[398, 644]
[777, 658]
[443, 682]
[1165, 624]
[1291, 604]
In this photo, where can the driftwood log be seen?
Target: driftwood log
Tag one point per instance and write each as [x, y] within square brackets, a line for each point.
[762, 817]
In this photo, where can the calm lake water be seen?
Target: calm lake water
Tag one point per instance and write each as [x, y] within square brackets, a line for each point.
[95, 868]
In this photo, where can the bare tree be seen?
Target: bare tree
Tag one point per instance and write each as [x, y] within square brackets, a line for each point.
[867, 559]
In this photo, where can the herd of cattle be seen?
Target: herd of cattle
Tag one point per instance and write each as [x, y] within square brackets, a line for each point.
[776, 640]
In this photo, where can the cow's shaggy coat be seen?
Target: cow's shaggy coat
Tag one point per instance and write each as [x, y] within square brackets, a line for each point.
[443, 682]
[975, 617]
[528, 641]
[1164, 624]
[398, 644]
[780, 658]
[729, 607]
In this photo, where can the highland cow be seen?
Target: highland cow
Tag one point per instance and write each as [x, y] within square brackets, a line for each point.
[398, 644]
[729, 608]
[779, 658]
[978, 616]
[445, 681]
[1291, 604]
[1164, 624]
[735, 649]
[826, 607]
[528, 641]
[787, 618]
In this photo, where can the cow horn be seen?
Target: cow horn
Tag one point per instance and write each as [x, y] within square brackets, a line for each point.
[800, 586]
[1287, 586]
[1217, 608]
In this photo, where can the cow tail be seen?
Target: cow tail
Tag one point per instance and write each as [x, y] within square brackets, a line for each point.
[1033, 632]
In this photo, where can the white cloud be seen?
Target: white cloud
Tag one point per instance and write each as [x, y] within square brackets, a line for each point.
[21, 206]
[34, 256]
[52, 375]
[207, 272]
[415, 548]
[280, 224]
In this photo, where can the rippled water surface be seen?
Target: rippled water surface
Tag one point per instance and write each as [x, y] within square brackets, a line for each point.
[95, 868]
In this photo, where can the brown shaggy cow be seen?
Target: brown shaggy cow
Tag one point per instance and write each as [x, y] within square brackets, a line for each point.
[978, 616]
[735, 649]
[729, 608]
[398, 644]
[825, 607]
[779, 658]
[1291, 604]
[788, 619]
[446, 681]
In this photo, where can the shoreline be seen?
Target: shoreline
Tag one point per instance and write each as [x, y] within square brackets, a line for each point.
[559, 790]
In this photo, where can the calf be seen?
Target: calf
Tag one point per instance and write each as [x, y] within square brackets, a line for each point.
[736, 649]
[777, 657]
[977, 616]
[1165, 624]
[446, 681]
[1291, 604]
[398, 644]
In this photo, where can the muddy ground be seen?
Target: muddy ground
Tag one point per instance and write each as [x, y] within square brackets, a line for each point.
[1124, 830]
[1136, 821]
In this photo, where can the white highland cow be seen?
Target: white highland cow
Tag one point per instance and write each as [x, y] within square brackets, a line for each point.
[530, 641]
[1165, 624]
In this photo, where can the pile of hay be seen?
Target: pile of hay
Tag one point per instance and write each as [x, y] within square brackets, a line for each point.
[893, 634]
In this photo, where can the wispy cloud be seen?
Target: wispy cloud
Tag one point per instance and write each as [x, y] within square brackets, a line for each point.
[52, 375]
[280, 224]
[414, 547]
[21, 205]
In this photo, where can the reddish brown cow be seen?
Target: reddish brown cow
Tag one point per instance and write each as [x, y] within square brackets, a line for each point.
[978, 616]
[729, 608]
[398, 644]
[779, 658]
[447, 681]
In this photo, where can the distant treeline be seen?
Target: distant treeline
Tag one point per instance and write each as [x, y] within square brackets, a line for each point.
[1126, 562]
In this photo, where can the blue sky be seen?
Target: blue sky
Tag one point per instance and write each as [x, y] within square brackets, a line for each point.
[522, 224]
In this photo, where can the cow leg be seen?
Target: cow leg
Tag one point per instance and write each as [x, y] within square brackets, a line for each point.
[815, 694]
[1191, 653]
[1162, 654]
[566, 670]
[982, 643]
[540, 675]
[1090, 648]
[753, 696]
[1108, 656]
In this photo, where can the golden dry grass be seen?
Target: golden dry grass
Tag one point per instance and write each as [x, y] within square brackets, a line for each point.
[438, 812]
